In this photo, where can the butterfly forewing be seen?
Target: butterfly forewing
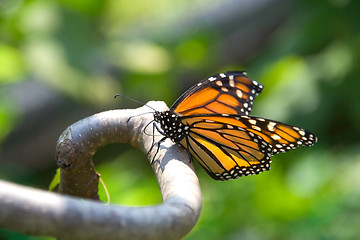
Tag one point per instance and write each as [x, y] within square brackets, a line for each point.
[231, 146]
[230, 92]
[282, 137]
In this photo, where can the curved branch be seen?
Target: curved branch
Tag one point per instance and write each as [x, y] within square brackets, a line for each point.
[44, 213]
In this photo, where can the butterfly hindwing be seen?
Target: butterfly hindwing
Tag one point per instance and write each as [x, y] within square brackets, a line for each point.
[230, 92]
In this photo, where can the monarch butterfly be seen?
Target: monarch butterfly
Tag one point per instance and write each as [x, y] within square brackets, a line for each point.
[211, 121]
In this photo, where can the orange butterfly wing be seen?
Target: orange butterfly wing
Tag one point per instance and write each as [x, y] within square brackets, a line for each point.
[230, 92]
[211, 121]
[231, 146]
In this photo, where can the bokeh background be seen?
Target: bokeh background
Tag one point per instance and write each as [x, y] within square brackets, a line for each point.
[61, 61]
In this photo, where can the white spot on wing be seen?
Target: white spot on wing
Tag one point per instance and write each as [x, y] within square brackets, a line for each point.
[275, 137]
[209, 120]
[231, 83]
[256, 128]
[252, 121]
[224, 89]
[271, 126]
[238, 93]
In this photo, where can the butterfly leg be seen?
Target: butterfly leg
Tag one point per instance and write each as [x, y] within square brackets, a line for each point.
[156, 143]
[157, 149]
[152, 144]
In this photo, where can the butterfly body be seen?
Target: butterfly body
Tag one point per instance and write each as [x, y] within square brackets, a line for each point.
[171, 126]
[211, 122]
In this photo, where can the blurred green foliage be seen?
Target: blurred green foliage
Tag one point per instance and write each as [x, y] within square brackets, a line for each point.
[86, 51]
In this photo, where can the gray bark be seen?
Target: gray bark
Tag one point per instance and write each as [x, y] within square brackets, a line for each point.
[38, 212]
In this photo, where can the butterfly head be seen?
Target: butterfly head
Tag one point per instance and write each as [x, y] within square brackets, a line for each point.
[170, 125]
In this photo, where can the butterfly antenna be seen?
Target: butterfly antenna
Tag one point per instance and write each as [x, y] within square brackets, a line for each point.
[120, 95]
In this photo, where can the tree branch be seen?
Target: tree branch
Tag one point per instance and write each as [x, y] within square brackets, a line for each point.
[38, 212]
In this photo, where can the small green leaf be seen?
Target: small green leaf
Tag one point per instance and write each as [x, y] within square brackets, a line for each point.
[55, 181]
